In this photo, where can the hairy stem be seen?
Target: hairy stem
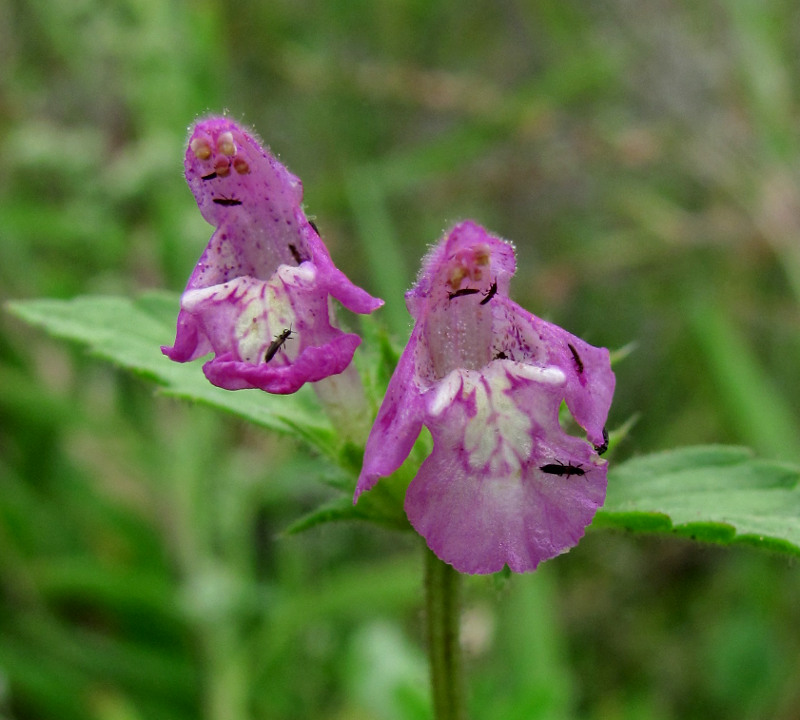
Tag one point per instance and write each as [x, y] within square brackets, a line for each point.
[442, 584]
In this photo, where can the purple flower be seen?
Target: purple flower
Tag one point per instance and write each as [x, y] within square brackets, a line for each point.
[504, 484]
[258, 297]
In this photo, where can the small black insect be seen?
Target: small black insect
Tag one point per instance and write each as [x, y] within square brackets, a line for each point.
[576, 358]
[489, 295]
[227, 202]
[314, 225]
[462, 292]
[600, 449]
[275, 345]
[501, 356]
[298, 258]
[558, 468]
[210, 176]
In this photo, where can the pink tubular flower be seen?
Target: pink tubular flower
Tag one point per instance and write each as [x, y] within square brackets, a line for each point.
[505, 484]
[258, 296]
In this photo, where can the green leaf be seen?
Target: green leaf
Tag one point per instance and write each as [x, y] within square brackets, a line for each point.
[342, 508]
[714, 494]
[129, 334]
[383, 505]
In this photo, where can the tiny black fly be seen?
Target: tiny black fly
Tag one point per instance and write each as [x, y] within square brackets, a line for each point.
[462, 292]
[558, 468]
[501, 356]
[314, 225]
[298, 258]
[275, 345]
[210, 176]
[576, 358]
[489, 295]
[600, 449]
[227, 202]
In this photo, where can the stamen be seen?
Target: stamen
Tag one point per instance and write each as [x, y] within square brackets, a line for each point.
[457, 274]
[225, 144]
[222, 167]
[482, 255]
[201, 148]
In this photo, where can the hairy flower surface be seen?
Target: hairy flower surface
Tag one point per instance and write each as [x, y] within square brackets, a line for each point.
[259, 295]
[504, 484]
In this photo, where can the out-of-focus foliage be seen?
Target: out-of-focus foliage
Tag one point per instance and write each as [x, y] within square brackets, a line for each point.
[714, 493]
[644, 158]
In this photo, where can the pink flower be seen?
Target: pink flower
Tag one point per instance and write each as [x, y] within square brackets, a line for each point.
[504, 484]
[258, 297]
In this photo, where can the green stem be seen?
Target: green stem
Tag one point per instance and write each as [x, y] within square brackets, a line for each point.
[442, 584]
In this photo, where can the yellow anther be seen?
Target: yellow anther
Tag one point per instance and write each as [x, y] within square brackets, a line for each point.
[241, 166]
[201, 148]
[482, 255]
[225, 144]
[457, 274]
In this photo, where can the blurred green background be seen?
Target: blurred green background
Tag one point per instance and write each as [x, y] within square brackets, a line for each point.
[644, 158]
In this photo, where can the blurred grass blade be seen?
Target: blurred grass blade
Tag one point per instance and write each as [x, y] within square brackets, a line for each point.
[531, 678]
[368, 199]
[755, 407]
